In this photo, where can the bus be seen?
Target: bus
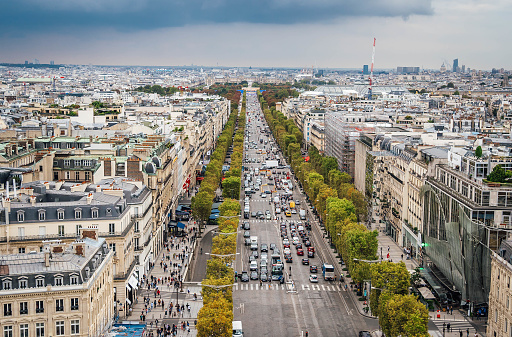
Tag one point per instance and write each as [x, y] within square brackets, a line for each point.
[328, 272]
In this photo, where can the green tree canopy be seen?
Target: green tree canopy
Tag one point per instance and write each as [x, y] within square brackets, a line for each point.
[402, 315]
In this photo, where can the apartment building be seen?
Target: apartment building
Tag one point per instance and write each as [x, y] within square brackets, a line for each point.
[64, 290]
[120, 210]
[499, 322]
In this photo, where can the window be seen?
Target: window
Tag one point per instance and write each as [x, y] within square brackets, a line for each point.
[40, 282]
[136, 227]
[21, 216]
[39, 306]
[6, 284]
[75, 326]
[78, 163]
[21, 232]
[39, 329]
[506, 324]
[23, 308]
[22, 284]
[111, 228]
[23, 330]
[61, 230]
[42, 215]
[68, 175]
[136, 243]
[7, 309]
[94, 213]
[86, 163]
[59, 328]
[59, 281]
[77, 175]
[59, 305]
[60, 214]
[78, 213]
[74, 303]
[495, 316]
[42, 231]
[67, 162]
[112, 247]
[21, 250]
[73, 280]
[78, 227]
[87, 176]
[8, 331]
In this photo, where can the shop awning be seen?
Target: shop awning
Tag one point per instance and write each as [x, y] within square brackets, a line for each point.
[181, 225]
[133, 282]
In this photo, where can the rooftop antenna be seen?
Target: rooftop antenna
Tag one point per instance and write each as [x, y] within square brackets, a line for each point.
[371, 71]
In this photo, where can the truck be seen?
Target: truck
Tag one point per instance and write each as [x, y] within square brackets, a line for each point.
[254, 242]
[292, 204]
[328, 272]
[302, 214]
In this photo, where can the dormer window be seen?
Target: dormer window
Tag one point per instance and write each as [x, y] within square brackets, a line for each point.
[94, 212]
[23, 284]
[21, 216]
[59, 281]
[73, 280]
[6, 284]
[42, 215]
[60, 214]
[40, 282]
[78, 213]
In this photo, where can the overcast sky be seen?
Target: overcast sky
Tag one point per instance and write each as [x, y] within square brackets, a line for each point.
[258, 33]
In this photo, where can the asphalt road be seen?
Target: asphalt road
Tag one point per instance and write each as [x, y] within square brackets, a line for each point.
[273, 309]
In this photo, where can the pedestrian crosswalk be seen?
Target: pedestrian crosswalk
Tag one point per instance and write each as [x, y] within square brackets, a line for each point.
[274, 286]
[455, 326]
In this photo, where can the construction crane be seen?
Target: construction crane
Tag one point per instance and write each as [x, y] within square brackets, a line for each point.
[371, 72]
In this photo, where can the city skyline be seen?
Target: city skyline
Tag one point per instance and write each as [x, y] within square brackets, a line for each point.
[326, 34]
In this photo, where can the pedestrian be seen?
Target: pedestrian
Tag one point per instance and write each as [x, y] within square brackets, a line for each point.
[467, 332]
[451, 310]
[402, 256]
[460, 333]
[448, 327]
[388, 248]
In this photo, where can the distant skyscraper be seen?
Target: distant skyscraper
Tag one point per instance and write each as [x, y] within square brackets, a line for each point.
[505, 80]
[26, 62]
[52, 63]
[408, 70]
[365, 70]
[455, 65]
[463, 68]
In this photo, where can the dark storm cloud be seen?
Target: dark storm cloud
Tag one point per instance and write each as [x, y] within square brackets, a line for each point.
[50, 15]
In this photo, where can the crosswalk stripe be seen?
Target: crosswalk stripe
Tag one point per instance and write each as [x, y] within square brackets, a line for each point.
[454, 325]
[338, 287]
[251, 286]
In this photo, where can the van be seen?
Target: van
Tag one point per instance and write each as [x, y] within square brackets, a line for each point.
[237, 329]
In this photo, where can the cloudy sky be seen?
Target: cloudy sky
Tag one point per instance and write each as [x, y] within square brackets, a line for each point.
[258, 33]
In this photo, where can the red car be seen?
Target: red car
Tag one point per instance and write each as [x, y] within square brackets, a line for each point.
[300, 252]
[286, 245]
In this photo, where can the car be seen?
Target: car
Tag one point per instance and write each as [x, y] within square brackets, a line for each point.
[254, 253]
[313, 269]
[268, 192]
[365, 334]
[307, 243]
[247, 242]
[263, 195]
[244, 277]
[294, 211]
[268, 216]
[298, 245]
[254, 275]
[313, 278]
[276, 251]
[288, 258]
[264, 247]
[272, 246]
[311, 254]
[253, 265]
[263, 270]
[247, 234]
[263, 263]
[300, 252]
[246, 226]
[286, 244]
[263, 277]
[253, 214]
[305, 261]
[288, 213]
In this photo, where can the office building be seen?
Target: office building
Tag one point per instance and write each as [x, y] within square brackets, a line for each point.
[455, 67]
[408, 70]
[365, 70]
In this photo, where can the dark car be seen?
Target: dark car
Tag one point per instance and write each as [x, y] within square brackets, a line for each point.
[365, 334]
[253, 214]
[246, 226]
[254, 253]
[298, 245]
[263, 277]
[264, 247]
[313, 269]
[272, 246]
[245, 277]
[254, 275]
[247, 234]
[288, 258]
[305, 261]
[247, 242]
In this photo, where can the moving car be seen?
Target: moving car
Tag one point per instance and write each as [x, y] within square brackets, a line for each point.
[254, 275]
[247, 234]
[305, 261]
[313, 269]
[244, 277]
[313, 278]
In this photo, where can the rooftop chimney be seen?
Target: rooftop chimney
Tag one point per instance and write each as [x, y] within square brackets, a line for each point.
[98, 188]
[47, 255]
[6, 203]
[89, 198]
[33, 200]
[90, 232]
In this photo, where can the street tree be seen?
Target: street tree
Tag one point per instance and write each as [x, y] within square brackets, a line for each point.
[215, 318]
[231, 187]
[402, 315]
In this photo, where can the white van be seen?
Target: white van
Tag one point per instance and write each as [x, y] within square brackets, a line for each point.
[237, 329]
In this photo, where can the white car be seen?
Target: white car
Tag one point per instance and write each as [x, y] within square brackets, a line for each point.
[278, 210]
[263, 195]
[313, 278]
